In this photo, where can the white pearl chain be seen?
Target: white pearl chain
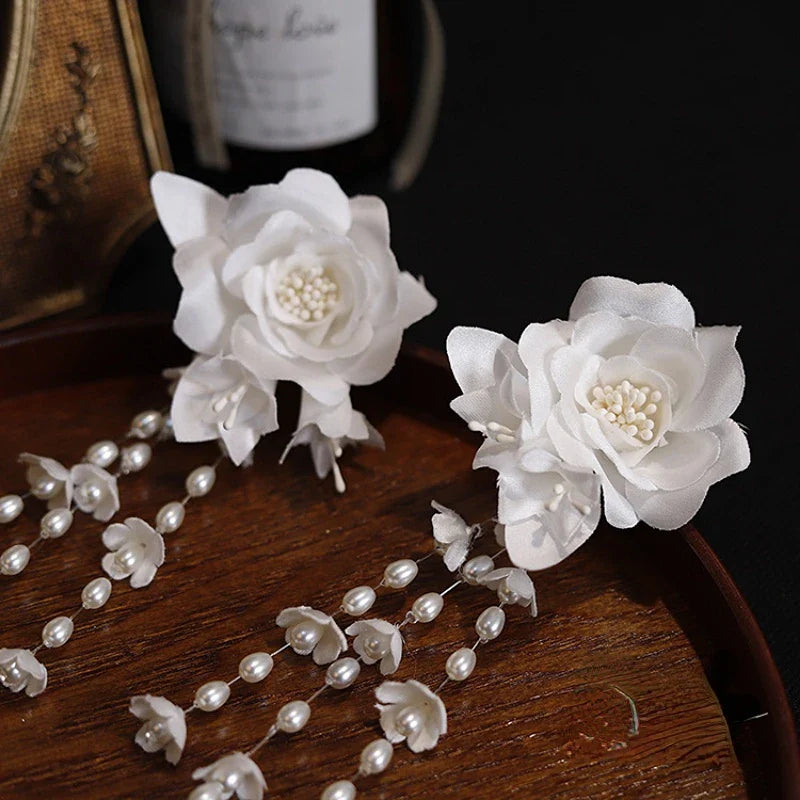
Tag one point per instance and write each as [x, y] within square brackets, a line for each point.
[102, 454]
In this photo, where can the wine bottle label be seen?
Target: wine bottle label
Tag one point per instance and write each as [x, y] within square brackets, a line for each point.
[289, 74]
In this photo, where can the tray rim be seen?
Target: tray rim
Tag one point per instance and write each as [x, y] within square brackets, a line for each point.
[765, 671]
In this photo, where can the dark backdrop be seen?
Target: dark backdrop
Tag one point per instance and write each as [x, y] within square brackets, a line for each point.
[574, 143]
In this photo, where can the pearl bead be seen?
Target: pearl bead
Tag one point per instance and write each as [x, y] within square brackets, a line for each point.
[341, 790]
[155, 734]
[90, 493]
[212, 695]
[293, 716]
[200, 481]
[230, 780]
[304, 636]
[55, 523]
[135, 457]
[409, 720]
[476, 568]
[208, 791]
[10, 507]
[400, 573]
[358, 601]
[46, 487]
[375, 757]
[170, 517]
[491, 622]
[427, 607]
[461, 664]
[57, 632]
[96, 593]
[506, 595]
[343, 673]
[102, 454]
[14, 559]
[376, 647]
[128, 557]
[146, 424]
[255, 667]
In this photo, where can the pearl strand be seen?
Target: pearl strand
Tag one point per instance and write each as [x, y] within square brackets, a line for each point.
[342, 673]
[56, 522]
[58, 631]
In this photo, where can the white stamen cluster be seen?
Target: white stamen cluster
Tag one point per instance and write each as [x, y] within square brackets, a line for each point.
[494, 430]
[308, 293]
[560, 492]
[232, 399]
[628, 407]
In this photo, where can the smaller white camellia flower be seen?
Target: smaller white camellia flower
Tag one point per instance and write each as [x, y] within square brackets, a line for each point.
[452, 534]
[312, 631]
[327, 430]
[20, 669]
[235, 774]
[217, 398]
[513, 586]
[377, 640]
[164, 726]
[137, 551]
[411, 712]
[96, 491]
[48, 480]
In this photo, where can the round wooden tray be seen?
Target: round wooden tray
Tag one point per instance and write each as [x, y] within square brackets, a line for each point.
[653, 614]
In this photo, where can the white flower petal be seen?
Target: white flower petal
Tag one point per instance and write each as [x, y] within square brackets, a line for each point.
[670, 510]
[321, 191]
[114, 536]
[724, 380]
[684, 459]
[186, 209]
[659, 303]
[472, 353]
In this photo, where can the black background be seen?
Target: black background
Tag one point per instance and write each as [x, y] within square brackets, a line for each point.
[575, 142]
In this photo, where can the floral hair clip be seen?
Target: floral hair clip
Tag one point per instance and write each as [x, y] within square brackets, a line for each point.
[291, 281]
[627, 402]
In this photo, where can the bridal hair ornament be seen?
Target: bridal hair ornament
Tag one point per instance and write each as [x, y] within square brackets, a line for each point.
[291, 281]
[627, 403]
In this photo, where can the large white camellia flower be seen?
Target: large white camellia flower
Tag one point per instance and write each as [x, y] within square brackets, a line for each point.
[642, 397]
[628, 394]
[294, 280]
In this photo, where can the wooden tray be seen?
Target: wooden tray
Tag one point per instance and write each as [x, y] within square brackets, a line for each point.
[652, 613]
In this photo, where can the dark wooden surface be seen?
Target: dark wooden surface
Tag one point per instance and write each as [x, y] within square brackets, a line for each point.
[638, 610]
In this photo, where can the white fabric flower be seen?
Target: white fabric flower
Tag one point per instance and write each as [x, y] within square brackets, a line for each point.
[217, 398]
[46, 470]
[327, 431]
[452, 534]
[302, 276]
[323, 637]
[20, 669]
[235, 770]
[413, 713]
[164, 726]
[377, 640]
[137, 551]
[96, 491]
[638, 394]
[547, 507]
[513, 585]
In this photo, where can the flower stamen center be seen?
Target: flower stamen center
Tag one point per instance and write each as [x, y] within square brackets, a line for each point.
[230, 399]
[628, 407]
[308, 293]
[560, 493]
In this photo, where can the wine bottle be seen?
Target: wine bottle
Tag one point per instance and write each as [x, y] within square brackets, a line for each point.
[321, 83]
